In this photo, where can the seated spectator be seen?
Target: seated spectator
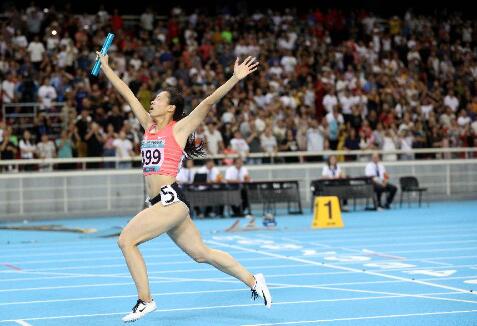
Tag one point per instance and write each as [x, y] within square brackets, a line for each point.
[213, 176]
[381, 182]
[186, 173]
[237, 173]
[332, 170]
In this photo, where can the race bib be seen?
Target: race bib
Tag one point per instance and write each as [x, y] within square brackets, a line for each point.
[168, 196]
[152, 152]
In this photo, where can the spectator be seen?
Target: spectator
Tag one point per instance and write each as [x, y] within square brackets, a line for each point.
[186, 173]
[65, 149]
[124, 150]
[331, 170]
[27, 149]
[213, 176]
[109, 149]
[46, 150]
[239, 145]
[46, 94]
[94, 142]
[237, 173]
[315, 139]
[36, 50]
[8, 89]
[376, 170]
[269, 144]
[214, 140]
[8, 150]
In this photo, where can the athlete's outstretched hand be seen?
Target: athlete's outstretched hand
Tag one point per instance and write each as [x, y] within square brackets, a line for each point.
[102, 58]
[245, 68]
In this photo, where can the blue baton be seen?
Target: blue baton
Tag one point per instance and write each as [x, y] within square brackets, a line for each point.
[107, 43]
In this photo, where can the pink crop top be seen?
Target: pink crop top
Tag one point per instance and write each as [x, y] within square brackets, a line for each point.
[161, 154]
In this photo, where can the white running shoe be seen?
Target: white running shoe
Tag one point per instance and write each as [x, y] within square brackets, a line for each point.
[260, 289]
[140, 310]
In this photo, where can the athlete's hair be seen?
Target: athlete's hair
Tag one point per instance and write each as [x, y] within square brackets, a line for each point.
[193, 147]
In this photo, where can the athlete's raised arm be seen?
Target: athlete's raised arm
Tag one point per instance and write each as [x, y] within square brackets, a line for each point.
[187, 125]
[123, 89]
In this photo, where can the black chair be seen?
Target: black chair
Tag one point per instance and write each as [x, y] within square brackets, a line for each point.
[410, 185]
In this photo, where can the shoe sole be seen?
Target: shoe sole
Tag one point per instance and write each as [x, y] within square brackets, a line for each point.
[265, 292]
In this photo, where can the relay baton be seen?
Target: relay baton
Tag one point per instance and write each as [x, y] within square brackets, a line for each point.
[106, 44]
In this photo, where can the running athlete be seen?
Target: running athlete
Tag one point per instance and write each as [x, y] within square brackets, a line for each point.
[168, 136]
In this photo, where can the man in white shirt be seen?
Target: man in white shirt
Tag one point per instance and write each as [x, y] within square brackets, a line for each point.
[187, 173]
[47, 94]
[8, 89]
[237, 173]
[331, 170]
[213, 176]
[376, 170]
[36, 50]
[215, 142]
[124, 149]
[451, 101]
[239, 144]
[330, 100]
[46, 150]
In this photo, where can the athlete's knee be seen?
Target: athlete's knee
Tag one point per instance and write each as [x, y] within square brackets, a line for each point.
[125, 242]
[201, 256]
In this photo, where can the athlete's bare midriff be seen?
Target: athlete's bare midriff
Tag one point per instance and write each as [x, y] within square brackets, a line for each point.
[154, 182]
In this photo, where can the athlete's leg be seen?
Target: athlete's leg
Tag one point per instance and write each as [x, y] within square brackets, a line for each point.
[146, 225]
[188, 238]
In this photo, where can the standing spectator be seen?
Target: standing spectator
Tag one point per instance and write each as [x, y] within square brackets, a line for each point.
[451, 101]
[239, 145]
[390, 142]
[108, 148]
[8, 89]
[124, 150]
[46, 94]
[315, 139]
[376, 170]
[334, 121]
[8, 150]
[214, 140]
[36, 50]
[269, 144]
[27, 149]
[94, 143]
[65, 149]
[406, 140]
[46, 150]
[237, 173]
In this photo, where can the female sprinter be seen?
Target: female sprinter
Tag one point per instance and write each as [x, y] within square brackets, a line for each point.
[168, 135]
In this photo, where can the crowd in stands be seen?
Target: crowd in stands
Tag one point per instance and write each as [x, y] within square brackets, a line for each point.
[328, 79]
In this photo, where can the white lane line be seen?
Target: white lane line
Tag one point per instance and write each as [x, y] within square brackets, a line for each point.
[216, 307]
[306, 233]
[421, 296]
[195, 271]
[365, 318]
[22, 322]
[64, 275]
[32, 252]
[177, 262]
[369, 239]
[93, 253]
[338, 267]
